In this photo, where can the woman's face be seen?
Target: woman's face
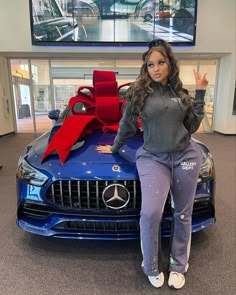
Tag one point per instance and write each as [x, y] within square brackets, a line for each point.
[157, 68]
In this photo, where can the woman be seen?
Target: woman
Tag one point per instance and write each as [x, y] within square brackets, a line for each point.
[168, 159]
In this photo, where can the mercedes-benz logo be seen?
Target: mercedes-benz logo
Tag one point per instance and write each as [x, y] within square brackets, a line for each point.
[116, 196]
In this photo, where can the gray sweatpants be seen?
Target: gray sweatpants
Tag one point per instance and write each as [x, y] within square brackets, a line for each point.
[158, 174]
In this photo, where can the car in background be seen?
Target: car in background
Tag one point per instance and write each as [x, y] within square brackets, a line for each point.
[184, 16]
[92, 195]
[84, 12]
[101, 8]
[83, 8]
[49, 23]
[124, 8]
[105, 8]
[164, 11]
[152, 10]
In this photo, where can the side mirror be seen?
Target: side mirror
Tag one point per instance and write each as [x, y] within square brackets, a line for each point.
[54, 114]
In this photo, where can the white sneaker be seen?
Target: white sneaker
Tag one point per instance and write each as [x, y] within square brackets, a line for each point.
[157, 281]
[176, 280]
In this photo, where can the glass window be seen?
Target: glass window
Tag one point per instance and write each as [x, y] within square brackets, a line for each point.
[36, 93]
[43, 101]
[125, 63]
[22, 97]
[91, 63]
[186, 74]
[209, 67]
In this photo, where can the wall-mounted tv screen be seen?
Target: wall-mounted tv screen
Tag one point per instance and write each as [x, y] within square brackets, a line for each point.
[112, 22]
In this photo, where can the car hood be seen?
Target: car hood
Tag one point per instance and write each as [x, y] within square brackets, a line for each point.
[85, 151]
[84, 162]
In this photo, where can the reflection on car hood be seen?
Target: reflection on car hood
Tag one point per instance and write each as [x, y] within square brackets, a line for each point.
[85, 151]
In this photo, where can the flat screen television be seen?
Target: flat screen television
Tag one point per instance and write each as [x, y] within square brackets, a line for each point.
[112, 22]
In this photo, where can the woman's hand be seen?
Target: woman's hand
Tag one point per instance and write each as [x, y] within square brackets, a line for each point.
[104, 149]
[201, 82]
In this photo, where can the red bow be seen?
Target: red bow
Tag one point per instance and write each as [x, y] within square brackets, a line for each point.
[103, 111]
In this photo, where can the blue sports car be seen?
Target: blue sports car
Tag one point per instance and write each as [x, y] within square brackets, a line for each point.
[92, 195]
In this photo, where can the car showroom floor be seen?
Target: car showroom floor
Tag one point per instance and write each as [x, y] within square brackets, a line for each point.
[31, 264]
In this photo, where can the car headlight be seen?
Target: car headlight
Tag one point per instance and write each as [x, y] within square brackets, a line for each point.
[30, 175]
[207, 166]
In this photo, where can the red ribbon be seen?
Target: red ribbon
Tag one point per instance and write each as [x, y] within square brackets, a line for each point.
[103, 111]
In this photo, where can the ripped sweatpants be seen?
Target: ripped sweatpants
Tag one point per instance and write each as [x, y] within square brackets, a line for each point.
[158, 174]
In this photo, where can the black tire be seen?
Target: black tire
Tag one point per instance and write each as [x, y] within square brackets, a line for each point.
[148, 17]
[183, 22]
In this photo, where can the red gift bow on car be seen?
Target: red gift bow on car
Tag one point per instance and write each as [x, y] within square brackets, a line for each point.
[103, 111]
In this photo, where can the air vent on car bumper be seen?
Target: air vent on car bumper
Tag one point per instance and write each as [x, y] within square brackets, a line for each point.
[85, 226]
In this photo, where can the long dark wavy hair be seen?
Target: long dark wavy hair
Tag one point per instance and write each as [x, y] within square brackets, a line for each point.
[143, 85]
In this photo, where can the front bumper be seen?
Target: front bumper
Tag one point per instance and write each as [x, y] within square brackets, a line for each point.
[198, 225]
[41, 219]
[51, 217]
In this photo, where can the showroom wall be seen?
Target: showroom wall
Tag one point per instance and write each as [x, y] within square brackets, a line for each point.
[215, 38]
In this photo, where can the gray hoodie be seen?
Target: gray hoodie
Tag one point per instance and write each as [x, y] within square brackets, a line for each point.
[166, 125]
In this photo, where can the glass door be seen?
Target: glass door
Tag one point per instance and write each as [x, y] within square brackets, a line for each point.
[209, 67]
[22, 96]
[31, 89]
[186, 74]
[41, 92]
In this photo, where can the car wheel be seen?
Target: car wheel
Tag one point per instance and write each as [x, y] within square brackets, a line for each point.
[148, 17]
[183, 22]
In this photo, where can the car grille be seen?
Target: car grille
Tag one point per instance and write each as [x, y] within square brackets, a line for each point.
[83, 194]
[88, 194]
